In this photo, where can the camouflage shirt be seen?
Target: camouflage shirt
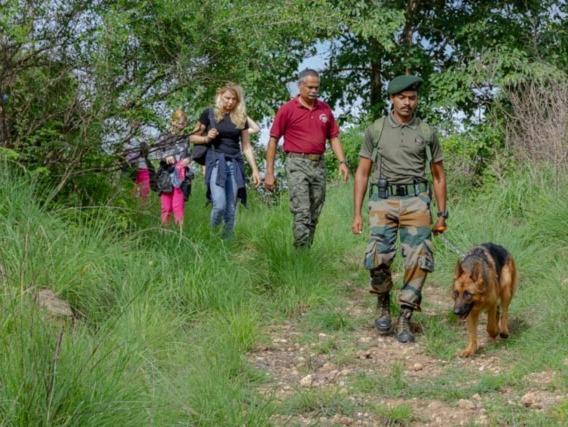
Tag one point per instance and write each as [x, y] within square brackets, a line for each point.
[402, 148]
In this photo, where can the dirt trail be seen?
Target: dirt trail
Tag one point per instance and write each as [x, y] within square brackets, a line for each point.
[345, 364]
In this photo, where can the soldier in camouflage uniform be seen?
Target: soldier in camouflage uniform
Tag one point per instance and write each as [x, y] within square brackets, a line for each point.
[394, 155]
[306, 123]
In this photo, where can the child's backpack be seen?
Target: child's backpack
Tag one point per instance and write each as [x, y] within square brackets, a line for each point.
[163, 179]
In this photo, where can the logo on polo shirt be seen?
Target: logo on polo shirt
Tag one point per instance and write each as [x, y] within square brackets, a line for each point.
[419, 141]
[323, 118]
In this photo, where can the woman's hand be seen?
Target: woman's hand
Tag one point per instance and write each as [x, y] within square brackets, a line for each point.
[255, 179]
[212, 134]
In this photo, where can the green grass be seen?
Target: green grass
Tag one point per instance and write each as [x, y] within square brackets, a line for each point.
[393, 384]
[439, 335]
[317, 403]
[328, 319]
[399, 415]
[164, 319]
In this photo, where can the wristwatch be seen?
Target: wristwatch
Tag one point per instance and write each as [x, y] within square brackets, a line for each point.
[444, 214]
[342, 161]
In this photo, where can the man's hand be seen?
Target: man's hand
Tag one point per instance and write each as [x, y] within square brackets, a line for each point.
[344, 170]
[270, 182]
[440, 226]
[357, 226]
[170, 160]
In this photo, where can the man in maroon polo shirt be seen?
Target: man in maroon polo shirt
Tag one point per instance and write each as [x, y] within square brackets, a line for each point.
[306, 123]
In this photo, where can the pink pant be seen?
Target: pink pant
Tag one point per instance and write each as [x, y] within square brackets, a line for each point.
[174, 201]
[143, 183]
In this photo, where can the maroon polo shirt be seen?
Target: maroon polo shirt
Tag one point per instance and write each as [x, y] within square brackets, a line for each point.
[304, 130]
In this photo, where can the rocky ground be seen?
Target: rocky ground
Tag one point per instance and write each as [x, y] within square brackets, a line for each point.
[356, 377]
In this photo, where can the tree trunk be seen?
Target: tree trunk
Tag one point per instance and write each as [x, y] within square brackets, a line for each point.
[375, 77]
[408, 30]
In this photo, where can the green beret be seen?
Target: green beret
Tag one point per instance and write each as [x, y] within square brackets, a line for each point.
[402, 83]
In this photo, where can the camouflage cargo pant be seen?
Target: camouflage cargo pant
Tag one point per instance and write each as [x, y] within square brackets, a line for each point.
[306, 188]
[410, 217]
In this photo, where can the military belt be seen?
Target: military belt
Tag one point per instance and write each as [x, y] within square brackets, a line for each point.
[312, 157]
[403, 190]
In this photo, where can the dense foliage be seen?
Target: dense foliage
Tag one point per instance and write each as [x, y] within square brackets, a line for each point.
[72, 74]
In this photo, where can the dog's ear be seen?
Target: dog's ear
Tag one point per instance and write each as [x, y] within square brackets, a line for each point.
[458, 271]
[475, 272]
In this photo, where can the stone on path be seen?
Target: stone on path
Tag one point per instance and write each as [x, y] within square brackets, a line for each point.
[54, 305]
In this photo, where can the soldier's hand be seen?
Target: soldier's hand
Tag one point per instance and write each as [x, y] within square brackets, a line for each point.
[344, 170]
[357, 226]
[270, 182]
[440, 226]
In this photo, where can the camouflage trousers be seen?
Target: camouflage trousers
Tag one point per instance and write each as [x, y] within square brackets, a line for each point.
[306, 188]
[410, 218]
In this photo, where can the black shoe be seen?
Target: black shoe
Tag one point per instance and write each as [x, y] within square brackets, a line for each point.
[403, 332]
[383, 322]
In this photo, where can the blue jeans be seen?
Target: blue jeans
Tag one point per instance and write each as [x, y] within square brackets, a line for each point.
[224, 199]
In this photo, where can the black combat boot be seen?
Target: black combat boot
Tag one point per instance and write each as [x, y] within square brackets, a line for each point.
[403, 332]
[383, 322]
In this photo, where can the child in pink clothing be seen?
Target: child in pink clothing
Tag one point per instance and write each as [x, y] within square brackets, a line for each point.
[174, 162]
[174, 201]
[143, 183]
[137, 157]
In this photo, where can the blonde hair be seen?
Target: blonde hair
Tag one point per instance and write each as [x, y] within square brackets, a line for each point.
[239, 114]
[177, 115]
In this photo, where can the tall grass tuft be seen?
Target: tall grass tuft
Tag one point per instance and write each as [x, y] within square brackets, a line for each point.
[162, 318]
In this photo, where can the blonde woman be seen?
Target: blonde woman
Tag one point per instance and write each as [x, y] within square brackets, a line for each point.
[225, 127]
[174, 173]
[252, 127]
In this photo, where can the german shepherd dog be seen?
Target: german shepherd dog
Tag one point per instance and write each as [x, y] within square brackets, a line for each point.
[485, 279]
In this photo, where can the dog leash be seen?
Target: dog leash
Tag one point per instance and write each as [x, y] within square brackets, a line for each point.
[451, 246]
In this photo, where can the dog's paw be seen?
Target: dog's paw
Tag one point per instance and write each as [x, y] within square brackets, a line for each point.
[493, 333]
[466, 353]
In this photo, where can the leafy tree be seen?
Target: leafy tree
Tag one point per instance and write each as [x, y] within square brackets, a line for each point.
[78, 71]
[446, 42]
[73, 72]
